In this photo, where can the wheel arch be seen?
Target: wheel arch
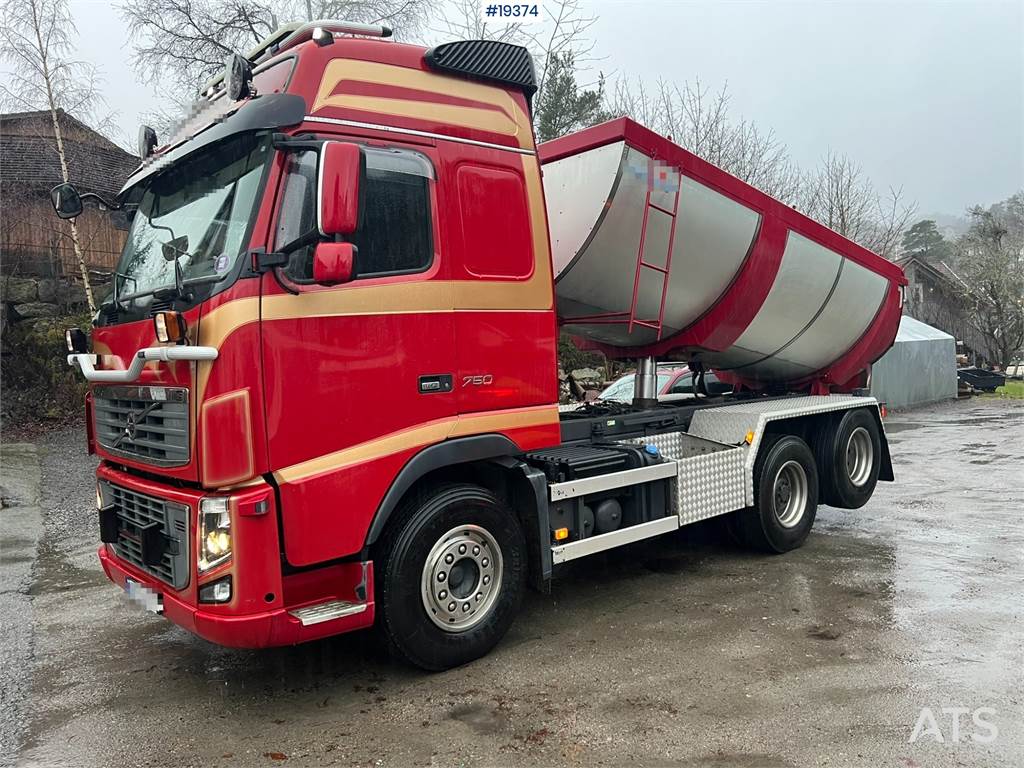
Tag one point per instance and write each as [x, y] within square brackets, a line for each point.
[489, 460]
[806, 426]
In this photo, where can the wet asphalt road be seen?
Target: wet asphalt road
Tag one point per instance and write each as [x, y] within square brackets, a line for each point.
[680, 651]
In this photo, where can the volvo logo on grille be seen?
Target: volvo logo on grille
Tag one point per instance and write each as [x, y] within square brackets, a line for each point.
[131, 424]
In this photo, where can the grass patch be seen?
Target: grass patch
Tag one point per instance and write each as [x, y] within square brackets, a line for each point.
[1013, 390]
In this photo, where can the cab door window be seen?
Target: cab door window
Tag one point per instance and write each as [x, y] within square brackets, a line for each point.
[394, 234]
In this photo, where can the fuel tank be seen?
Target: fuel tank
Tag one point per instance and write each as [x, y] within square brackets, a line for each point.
[658, 252]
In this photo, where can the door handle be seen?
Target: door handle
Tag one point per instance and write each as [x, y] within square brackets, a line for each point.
[432, 384]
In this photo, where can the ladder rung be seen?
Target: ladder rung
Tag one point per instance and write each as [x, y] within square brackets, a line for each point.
[654, 267]
[648, 324]
[666, 211]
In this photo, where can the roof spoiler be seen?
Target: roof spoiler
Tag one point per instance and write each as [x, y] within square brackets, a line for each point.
[489, 60]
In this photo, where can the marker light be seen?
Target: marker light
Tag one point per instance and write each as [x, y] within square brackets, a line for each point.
[169, 326]
[561, 534]
[322, 36]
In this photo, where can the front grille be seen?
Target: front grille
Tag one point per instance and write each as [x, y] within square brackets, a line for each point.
[148, 424]
[136, 513]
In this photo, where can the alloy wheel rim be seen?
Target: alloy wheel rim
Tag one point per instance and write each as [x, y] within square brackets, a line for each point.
[462, 578]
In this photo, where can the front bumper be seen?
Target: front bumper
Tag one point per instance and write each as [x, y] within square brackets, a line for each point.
[263, 603]
[254, 630]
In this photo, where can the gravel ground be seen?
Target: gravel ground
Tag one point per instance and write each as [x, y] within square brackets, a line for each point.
[678, 651]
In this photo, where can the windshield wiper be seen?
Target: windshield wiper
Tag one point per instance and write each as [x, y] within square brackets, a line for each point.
[175, 289]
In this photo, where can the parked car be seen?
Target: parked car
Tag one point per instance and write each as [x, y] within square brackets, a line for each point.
[674, 383]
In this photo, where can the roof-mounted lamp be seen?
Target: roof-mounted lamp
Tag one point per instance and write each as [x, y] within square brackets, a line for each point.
[237, 77]
[147, 141]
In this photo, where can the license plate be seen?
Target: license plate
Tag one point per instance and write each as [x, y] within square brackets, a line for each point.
[143, 596]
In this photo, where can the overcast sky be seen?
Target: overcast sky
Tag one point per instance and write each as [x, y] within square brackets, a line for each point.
[927, 95]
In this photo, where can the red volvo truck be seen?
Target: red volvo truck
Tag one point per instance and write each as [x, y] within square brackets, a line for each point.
[324, 383]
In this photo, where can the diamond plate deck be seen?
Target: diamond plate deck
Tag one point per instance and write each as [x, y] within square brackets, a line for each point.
[709, 476]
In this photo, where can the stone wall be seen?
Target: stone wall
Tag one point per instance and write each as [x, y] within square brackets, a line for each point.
[29, 299]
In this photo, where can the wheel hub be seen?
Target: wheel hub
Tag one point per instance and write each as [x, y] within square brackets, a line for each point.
[860, 456]
[461, 578]
[789, 494]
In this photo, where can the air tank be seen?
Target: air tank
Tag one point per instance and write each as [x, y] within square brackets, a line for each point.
[657, 252]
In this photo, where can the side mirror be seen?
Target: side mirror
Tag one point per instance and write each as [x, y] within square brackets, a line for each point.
[333, 263]
[66, 201]
[341, 170]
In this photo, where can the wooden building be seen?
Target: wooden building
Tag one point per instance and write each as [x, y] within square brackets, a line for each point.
[935, 295]
[33, 241]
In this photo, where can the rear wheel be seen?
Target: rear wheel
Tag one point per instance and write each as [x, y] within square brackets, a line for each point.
[849, 454]
[785, 497]
[453, 576]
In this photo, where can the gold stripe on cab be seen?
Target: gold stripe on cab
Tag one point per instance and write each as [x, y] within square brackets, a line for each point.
[505, 117]
[420, 436]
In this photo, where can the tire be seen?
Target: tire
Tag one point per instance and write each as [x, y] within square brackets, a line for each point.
[451, 545]
[785, 497]
[849, 455]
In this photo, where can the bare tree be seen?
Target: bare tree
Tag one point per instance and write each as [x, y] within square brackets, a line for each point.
[840, 196]
[561, 48]
[461, 20]
[37, 43]
[182, 43]
[698, 119]
[991, 263]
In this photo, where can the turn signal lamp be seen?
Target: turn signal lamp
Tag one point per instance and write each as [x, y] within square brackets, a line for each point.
[169, 326]
[561, 534]
[749, 439]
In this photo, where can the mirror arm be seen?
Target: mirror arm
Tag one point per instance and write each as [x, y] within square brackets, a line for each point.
[309, 238]
[102, 203]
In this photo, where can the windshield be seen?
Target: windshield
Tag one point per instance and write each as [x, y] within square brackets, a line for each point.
[198, 211]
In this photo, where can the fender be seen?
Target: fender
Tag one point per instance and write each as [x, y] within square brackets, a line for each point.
[458, 451]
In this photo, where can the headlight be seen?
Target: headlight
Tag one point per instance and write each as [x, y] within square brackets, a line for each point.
[214, 532]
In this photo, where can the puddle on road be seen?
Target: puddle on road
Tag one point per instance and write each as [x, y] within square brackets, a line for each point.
[482, 718]
[901, 426]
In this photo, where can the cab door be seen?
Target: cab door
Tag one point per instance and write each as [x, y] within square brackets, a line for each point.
[358, 376]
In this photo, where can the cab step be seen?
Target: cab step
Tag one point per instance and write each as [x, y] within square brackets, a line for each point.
[321, 612]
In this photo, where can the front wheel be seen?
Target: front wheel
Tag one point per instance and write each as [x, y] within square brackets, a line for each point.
[785, 497]
[453, 576]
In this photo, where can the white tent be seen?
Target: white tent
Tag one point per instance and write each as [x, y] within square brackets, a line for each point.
[920, 368]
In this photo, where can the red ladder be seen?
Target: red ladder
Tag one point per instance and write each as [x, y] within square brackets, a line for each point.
[630, 317]
[658, 324]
